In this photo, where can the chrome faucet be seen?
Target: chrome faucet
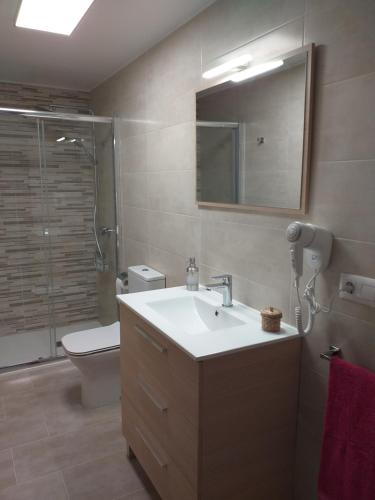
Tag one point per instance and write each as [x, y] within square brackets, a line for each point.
[225, 286]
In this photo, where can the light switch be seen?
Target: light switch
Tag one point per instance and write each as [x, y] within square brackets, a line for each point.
[357, 289]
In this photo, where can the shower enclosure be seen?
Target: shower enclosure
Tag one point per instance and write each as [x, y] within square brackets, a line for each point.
[218, 161]
[58, 230]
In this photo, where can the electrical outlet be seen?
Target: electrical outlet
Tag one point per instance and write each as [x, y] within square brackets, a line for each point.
[357, 289]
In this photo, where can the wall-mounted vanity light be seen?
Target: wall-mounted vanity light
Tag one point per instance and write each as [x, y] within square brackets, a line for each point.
[256, 70]
[238, 63]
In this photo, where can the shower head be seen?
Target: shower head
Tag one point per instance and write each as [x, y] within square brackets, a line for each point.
[79, 142]
[72, 140]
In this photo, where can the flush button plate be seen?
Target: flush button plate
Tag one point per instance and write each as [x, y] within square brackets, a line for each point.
[360, 289]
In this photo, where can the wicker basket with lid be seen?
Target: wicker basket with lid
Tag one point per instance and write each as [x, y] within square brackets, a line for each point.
[271, 318]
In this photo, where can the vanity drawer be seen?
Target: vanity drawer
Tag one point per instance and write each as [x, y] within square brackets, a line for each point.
[171, 373]
[163, 417]
[161, 469]
[145, 344]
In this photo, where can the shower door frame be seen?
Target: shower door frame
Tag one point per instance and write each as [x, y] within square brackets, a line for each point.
[40, 117]
[237, 131]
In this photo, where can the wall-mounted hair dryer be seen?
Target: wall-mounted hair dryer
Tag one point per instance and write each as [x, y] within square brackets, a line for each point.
[314, 244]
[313, 241]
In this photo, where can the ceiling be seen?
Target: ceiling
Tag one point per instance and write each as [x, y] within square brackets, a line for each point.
[110, 35]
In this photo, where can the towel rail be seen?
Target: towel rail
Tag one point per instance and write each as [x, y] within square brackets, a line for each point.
[332, 351]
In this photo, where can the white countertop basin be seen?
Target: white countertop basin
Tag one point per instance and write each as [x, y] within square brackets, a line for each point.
[199, 324]
[196, 316]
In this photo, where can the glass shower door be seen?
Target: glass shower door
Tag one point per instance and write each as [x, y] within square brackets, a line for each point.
[218, 162]
[25, 307]
[106, 222]
[58, 233]
[78, 175]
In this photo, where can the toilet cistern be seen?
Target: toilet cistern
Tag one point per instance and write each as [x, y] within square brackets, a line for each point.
[225, 286]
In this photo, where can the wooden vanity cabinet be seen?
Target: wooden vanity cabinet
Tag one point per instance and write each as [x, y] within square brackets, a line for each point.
[219, 429]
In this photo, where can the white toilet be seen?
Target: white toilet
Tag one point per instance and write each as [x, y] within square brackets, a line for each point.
[96, 352]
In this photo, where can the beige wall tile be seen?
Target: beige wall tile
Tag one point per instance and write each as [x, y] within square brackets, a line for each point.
[343, 126]
[134, 153]
[259, 254]
[343, 198]
[172, 192]
[230, 24]
[279, 41]
[175, 64]
[170, 264]
[345, 32]
[135, 254]
[136, 223]
[181, 108]
[135, 189]
[252, 246]
[179, 234]
[172, 148]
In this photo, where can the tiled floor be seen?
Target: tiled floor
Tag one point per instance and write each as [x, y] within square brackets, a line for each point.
[53, 449]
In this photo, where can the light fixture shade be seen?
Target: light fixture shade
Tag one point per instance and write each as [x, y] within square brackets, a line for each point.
[54, 16]
[256, 70]
[227, 66]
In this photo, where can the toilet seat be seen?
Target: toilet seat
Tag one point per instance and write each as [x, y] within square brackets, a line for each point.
[96, 340]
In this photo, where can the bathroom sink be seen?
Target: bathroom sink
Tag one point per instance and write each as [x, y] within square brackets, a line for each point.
[194, 315]
[199, 323]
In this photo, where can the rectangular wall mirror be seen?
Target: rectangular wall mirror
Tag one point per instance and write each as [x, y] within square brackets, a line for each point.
[253, 139]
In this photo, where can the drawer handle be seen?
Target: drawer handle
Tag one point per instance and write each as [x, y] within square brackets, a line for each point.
[149, 339]
[161, 463]
[146, 389]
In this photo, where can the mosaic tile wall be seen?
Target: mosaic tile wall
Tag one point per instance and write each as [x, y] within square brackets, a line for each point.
[35, 265]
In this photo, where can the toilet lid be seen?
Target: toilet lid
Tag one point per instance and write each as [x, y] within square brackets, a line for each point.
[99, 339]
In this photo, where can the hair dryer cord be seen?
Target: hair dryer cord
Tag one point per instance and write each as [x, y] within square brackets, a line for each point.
[313, 307]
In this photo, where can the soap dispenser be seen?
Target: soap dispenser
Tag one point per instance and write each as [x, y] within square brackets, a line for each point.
[192, 276]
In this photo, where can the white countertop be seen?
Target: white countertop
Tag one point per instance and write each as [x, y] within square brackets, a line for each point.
[208, 343]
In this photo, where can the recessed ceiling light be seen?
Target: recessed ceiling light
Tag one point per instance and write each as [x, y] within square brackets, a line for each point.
[54, 16]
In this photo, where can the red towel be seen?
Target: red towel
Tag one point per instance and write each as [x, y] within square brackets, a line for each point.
[347, 466]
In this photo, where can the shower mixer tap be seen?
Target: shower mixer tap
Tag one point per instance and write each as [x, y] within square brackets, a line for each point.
[106, 230]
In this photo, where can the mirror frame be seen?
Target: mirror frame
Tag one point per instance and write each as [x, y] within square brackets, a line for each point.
[306, 155]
